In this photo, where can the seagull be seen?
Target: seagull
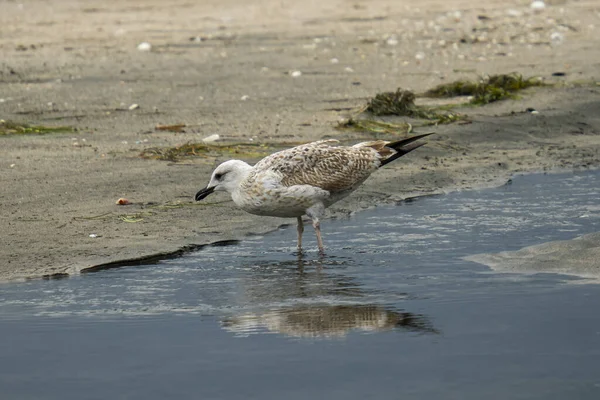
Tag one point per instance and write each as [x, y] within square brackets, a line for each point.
[304, 180]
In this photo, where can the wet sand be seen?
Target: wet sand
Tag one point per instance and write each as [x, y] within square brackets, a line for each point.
[227, 68]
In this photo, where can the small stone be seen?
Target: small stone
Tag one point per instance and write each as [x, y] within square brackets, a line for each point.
[348, 69]
[557, 37]
[144, 46]
[211, 138]
[514, 13]
[334, 60]
[93, 235]
[420, 56]
[391, 41]
[12, 165]
[244, 97]
[123, 201]
[296, 74]
[538, 6]
[134, 107]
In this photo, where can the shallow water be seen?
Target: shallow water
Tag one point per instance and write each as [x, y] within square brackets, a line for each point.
[393, 310]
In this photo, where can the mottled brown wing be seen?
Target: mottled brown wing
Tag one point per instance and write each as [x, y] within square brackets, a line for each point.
[335, 169]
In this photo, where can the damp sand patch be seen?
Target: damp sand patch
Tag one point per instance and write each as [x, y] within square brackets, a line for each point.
[579, 257]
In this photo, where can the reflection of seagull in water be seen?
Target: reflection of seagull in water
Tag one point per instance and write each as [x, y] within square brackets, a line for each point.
[327, 321]
[305, 179]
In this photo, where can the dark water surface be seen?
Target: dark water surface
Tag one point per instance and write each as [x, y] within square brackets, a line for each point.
[393, 311]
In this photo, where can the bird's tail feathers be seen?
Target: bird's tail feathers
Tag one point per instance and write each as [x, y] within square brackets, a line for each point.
[403, 147]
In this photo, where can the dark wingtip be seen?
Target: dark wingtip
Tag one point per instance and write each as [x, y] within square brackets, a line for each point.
[401, 143]
[404, 147]
[203, 193]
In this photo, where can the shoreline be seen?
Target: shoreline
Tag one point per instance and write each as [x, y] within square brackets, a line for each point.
[152, 259]
[226, 68]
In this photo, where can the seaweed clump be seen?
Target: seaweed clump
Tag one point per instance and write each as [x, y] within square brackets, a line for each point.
[487, 90]
[15, 128]
[402, 103]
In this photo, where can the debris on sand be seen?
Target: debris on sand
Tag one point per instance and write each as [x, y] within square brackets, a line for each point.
[402, 103]
[171, 128]
[487, 90]
[16, 128]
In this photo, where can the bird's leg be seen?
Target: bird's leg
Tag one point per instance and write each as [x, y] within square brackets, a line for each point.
[300, 231]
[317, 227]
[314, 213]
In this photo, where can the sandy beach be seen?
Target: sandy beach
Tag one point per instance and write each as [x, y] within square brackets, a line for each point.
[268, 74]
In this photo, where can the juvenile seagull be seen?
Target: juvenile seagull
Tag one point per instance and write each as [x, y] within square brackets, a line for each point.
[305, 179]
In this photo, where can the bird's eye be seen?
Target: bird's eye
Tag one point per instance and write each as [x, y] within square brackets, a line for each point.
[218, 176]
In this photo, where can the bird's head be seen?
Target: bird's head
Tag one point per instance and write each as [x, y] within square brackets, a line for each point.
[226, 177]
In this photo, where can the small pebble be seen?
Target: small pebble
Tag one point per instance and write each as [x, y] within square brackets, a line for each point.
[296, 74]
[211, 138]
[334, 61]
[134, 107]
[557, 37]
[123, 201]
[420, 56]
[538, 6]
[392, 41]
[244, 97]
[144, 46]
[514, 13]
[348, 69]
[93, 235]
[12, 165]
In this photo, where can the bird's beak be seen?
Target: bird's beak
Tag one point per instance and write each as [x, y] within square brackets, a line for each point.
[204, 192]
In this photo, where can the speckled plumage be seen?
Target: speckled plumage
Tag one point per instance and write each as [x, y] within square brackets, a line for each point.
[303, 180]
